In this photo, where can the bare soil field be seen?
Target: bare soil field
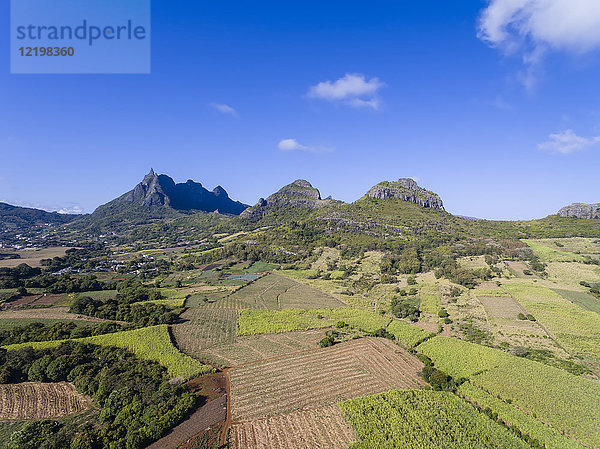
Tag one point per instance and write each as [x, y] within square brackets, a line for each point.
[279, 292]
[501, 306]
[204, 328]
[37, 400]
[32, 257]
[322, 428]
[321, 377]
[260, 347]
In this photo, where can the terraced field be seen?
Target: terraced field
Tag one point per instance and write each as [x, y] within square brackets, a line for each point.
[37, 400]
[279, 292]
[253, 348]
[321, 377]
[204, 328]
[321, 428]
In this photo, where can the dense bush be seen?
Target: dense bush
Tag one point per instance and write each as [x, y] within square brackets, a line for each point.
[57, 331]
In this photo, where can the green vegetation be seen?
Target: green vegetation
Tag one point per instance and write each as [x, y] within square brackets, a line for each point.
[553, 395]
[513, 416]
[408, 334]
[38, 331]
[150, 343]
[423, 419]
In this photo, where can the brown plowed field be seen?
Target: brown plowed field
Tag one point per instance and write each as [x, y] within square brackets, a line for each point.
[277, 292]
[204, 328]
[253, 348]
[322, 428]
[321, 377]
[36, 400]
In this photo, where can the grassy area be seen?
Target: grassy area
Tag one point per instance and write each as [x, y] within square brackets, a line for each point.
[511, 415]
[569, 403]
[549, 254]
[172, 302]
[10, 323]
[150, 343]
[423, 419]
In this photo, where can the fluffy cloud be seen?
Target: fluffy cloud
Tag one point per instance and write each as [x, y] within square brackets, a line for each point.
[294, 145]
[223, 108]
[567, 142]
[352, 89]
[534, 27]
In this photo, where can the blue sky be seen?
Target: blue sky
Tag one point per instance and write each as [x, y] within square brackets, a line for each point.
[496, 109]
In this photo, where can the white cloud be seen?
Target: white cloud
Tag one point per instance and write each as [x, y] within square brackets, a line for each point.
[224, 108]
[568, 142]
[352, 89]
[70, 210]
[294, 145]
[534, 27]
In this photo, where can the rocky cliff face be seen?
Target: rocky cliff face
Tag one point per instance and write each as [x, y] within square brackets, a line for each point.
[299, 193]
[580, 210]
[161, 191]
[406, 189]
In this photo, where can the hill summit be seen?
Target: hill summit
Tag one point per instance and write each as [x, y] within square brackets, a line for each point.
[406, 189]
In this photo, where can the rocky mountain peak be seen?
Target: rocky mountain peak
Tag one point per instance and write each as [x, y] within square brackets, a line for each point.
[581, 210]
[161, 191]
[299, 193]
[406, 189]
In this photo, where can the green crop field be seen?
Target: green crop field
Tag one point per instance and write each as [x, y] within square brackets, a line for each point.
[101, 295]
[569, 403]
[423, 419]
[408, 334]
[254, 321]
[430, 299]
[584, 300]
[150, 343]
[576, 329]
[511, 415]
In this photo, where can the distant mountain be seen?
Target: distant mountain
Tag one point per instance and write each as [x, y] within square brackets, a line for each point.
[300, 194]
[15, 217]
[160, 193]
[580, 210]
[406, 189]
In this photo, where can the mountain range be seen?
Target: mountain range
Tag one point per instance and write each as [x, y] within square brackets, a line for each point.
[158, 197]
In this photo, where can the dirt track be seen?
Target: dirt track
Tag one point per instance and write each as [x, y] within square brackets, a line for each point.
[208, 415]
